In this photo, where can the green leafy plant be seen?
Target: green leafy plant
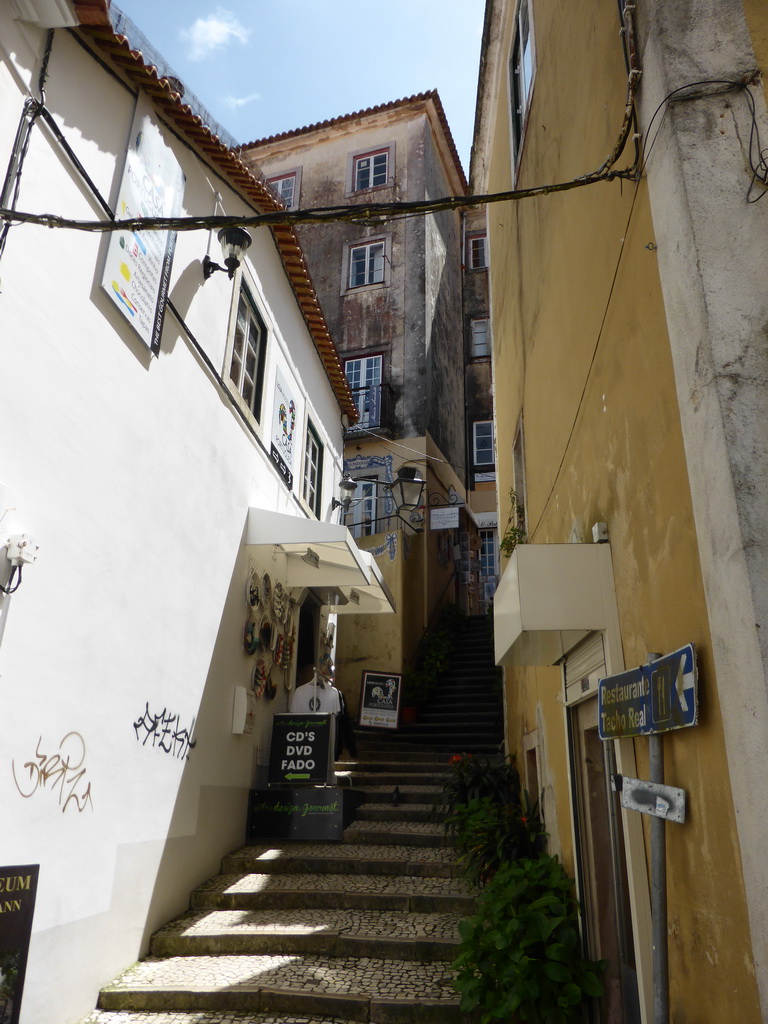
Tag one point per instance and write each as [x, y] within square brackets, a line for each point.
[488, 834]
[514, 532]
[473, 777]
[520, 956]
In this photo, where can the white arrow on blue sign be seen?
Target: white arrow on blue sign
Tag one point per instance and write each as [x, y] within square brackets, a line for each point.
[654, 698]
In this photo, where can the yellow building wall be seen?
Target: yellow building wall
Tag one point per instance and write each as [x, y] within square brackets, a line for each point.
[580, 347]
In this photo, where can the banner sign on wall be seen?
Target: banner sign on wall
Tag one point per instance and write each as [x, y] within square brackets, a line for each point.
[380, 699]
[284, 419]
[18, 889]
[137, 270]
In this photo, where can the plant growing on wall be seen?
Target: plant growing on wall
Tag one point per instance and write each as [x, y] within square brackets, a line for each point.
[514, 531]
[434, 657]
[520, 956]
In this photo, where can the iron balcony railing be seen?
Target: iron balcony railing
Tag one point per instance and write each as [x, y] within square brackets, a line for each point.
[375, 406]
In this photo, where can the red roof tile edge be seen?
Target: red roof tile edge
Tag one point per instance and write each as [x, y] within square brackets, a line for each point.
[242, 180]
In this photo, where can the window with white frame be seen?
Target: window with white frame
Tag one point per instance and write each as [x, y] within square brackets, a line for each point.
[477, 251]
[367, 514]
[482, 443]
[521, 68]
[249, 346]
[286, 186]
[364, 377]
[366, 264]
[488, 555]
[313, 470]
[370, 170]
[481, 340]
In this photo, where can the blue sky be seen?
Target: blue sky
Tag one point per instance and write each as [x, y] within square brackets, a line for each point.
[262, 68]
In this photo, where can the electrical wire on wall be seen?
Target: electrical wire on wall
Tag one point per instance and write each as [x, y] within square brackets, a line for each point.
[31, 111]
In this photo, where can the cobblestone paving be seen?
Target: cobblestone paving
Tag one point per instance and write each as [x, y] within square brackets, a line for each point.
[422, 828]
[405, 885]
[308, 922]
[332, 851]
[197, 1017]
[366, 976]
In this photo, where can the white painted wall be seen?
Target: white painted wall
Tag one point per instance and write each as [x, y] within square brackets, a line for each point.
[135, 475]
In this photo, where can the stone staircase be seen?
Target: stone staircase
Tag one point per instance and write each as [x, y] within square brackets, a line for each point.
[465, 712]
[313, 933]
[334, 933]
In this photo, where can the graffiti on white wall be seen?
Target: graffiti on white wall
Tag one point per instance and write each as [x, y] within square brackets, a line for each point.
[165, 732]
[60, 771]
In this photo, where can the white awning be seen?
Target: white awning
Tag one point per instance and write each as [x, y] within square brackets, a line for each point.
[374, 598]
[549, 598]
[323, 557]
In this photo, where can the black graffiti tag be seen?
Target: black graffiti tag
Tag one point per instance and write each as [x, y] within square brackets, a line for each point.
[62, 770]
[165, 732]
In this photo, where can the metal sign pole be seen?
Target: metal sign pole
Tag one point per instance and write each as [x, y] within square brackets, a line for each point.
[659, 893]
[659, 886]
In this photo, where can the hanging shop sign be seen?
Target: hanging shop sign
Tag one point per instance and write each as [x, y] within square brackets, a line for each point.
[444, 517]
[285, 417]
[380, 699]
[137, 269]
[654, 698]
[18, 890]
[300, 751]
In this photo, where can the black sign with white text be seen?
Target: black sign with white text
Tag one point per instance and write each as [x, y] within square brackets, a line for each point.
[301, 746]
[18, 889]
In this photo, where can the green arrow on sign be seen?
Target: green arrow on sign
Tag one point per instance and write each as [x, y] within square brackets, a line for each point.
[293, 775]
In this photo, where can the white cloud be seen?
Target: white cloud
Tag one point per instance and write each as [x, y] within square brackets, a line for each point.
[240, 101]
[206, 35]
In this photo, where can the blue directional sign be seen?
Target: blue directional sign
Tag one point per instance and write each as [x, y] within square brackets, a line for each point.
[654, 698]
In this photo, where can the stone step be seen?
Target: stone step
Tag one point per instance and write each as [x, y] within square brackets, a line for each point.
[372, 811]
[390, 935]
[215, 1017]
[453, 714]
[394, 892]
[408, 794]
[356, 858]
[430, 834]
[367, 989]
[433, 770]
[368, 777]
[460, 740]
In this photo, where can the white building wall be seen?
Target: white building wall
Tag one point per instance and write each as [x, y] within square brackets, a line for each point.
[135, 475]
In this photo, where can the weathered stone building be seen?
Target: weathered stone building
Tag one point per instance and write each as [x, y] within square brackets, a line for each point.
[403, 298]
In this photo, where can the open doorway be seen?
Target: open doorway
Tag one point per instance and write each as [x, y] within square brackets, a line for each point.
[601, 865]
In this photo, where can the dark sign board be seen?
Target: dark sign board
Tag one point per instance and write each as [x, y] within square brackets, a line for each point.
[300, 751]
[18, 889]
[380, 699]
[317, 815]
[654, 698]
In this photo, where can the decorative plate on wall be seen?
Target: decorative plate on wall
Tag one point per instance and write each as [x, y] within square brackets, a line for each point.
[259, 677]
[279, 601]
[250, 637]
[252, 589]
